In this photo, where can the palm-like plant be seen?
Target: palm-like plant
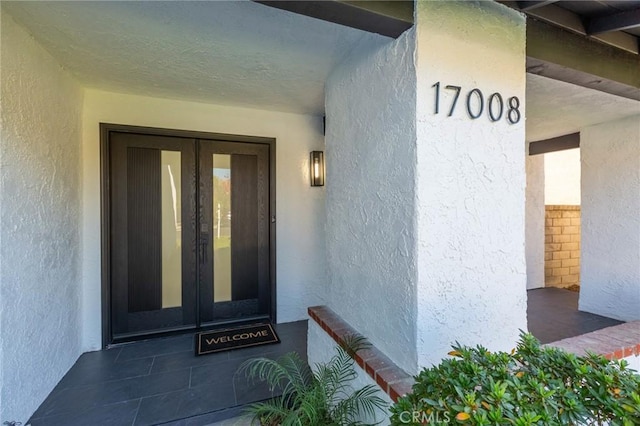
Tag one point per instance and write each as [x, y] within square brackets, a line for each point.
[313, 398]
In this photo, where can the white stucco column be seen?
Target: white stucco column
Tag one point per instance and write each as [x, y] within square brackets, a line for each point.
[535, 221]
[370, 204]
[470, 177]
[610, 264]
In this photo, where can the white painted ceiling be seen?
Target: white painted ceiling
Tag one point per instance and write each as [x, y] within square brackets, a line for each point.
[245, 54]
[227, 52]
[556, 108]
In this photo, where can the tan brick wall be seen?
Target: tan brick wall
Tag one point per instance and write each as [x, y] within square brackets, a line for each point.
[562, 246]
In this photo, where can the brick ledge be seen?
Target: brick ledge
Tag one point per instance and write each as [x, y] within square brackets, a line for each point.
[391, 378]
[616, 342]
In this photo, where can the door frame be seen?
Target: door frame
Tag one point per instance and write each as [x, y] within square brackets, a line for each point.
[105, 207]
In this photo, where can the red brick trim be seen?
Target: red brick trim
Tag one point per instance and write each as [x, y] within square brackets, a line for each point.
[619, 341]
[615, 342]
[391, 378]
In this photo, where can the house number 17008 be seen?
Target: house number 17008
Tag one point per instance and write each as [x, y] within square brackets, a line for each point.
[475, 104]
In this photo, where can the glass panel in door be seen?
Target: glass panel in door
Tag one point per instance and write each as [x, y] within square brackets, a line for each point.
[234, 211]
[222, 228]
[171, 237]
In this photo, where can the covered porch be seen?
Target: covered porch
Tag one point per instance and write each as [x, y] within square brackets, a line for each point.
[426, 231]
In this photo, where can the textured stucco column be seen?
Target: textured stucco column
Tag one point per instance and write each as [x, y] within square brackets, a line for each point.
[470, 180]
[610, 264]
[535, 221]
[370, 161]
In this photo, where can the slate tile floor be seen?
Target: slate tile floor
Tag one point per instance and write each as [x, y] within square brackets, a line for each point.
[552, 315]
[161, 381]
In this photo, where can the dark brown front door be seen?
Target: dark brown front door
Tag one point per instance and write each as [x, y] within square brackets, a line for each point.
[189, 233]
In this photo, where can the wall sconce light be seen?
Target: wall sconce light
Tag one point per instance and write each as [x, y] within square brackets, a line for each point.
[316, 165]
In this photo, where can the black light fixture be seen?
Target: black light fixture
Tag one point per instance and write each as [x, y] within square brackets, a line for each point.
[316, 168]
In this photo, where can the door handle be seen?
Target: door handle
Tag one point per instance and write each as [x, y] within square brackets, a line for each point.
[204, 243]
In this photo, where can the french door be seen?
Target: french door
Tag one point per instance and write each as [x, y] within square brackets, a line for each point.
[189, 233]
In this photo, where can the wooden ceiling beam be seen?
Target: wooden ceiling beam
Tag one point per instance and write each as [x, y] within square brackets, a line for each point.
[527, 5]
[562, 55]
[617, 22]
[559, 143]
[568, 20]
[388, 18]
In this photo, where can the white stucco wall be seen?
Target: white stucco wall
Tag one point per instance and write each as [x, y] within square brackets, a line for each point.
[610, 226]
[370, 161]
[299, 208]
[470, 180]
[562, 177]
[535, 222]
[39, 216]
[322, 348]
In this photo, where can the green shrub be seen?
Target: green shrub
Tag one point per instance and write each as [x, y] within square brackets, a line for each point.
[323, 397]
[529, 386]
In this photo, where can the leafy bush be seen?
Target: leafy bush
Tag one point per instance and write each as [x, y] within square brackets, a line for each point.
[529, 386]
[320, 398]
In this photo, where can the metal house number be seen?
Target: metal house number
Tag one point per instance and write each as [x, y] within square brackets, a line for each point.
[475, 104]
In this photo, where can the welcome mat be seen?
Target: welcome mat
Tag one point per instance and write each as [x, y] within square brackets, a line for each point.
[208, 342]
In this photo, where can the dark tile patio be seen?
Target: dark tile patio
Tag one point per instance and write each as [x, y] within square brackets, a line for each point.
[161, 381]
[552, 315]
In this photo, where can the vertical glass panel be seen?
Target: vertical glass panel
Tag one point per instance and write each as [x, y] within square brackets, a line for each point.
[171, 229]
[221, 227]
